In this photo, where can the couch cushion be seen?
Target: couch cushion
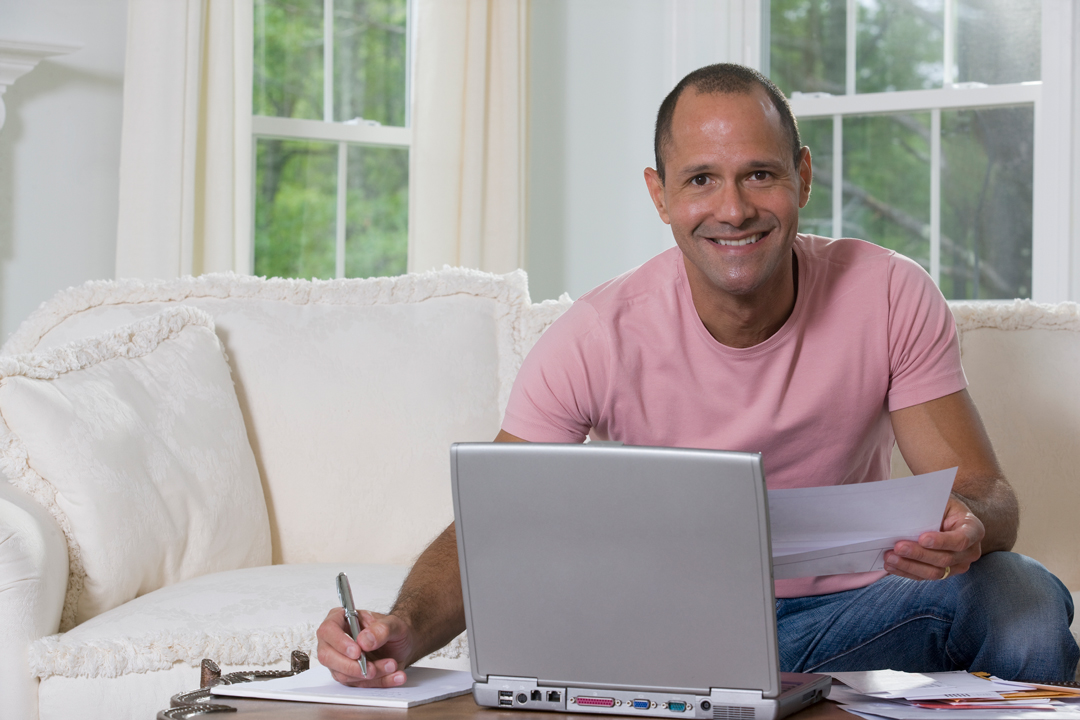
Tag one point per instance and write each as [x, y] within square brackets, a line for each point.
[133, 658]
[134, 441]
[251, 616]
[352, 390]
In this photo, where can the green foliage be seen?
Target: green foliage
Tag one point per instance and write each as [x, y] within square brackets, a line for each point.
[816, 217]
[287, 71]
[986, 167]
[807, 51]
[296, 182]
[370, 60]
[295, 208]
[887, 182]
[378, 211]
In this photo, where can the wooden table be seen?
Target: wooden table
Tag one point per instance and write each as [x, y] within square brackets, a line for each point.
[459, 708]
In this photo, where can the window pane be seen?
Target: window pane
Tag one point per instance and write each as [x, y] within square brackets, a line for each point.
[378, 211]
[287, 71]
[807, 50]
[816, 217]
[900, 45]
[986, 196]
[295, 205]
[998, 41]
[370, 60]
[887, 182]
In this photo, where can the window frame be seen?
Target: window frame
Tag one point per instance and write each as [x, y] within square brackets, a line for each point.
[1053, 278]
[250, 128]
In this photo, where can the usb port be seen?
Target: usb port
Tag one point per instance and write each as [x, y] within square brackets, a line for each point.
[506, 697]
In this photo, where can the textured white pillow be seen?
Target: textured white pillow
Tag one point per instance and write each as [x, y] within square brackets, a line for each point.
[134, 441]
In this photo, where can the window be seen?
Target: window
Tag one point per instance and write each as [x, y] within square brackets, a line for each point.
[330, 97]
[921, 118]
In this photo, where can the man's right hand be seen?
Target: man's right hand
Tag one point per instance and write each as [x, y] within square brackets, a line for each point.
[386, 639]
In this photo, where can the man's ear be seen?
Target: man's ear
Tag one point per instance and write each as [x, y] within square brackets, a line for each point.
[806, 175]
[656, 192]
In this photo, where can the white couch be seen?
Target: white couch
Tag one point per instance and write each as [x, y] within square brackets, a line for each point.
[189, 522]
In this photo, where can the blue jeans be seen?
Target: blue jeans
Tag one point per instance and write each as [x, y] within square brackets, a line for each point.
[1007, 616]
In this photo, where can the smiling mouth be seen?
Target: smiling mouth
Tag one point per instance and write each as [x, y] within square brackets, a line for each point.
[737, 243]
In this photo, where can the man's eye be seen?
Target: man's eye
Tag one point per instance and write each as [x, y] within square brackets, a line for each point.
[700, 180]
[760, 175]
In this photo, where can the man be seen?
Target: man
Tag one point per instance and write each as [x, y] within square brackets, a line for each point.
[748, 336]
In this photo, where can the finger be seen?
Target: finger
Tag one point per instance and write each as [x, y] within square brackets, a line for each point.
[917, 553]
[377, 676]
[911, 569]
[958, 539]
[376, 631]
[958, 563]
[333, 632]
[348, 671]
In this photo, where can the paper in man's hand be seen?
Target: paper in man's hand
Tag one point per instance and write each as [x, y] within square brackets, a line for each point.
[848, 528]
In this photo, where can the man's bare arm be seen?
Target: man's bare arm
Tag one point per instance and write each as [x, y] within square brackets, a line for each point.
[983, 514]
[428, 613]
[430, 600]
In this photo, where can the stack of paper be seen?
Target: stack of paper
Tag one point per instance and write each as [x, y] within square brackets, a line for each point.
[953, 695]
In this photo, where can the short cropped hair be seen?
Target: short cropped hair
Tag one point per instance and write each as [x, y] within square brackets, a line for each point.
[723, 79]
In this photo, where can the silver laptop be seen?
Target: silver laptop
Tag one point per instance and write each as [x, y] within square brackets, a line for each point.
[620, 580]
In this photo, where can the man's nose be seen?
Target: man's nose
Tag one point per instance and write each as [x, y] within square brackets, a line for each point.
[732, 205]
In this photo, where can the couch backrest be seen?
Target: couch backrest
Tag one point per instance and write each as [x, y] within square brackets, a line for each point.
[352, 390]
[1021, 361]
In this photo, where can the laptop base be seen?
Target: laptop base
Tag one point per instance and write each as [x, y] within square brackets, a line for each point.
[526, 694]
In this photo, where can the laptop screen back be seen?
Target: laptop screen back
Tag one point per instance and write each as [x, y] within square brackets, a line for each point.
[616, 567]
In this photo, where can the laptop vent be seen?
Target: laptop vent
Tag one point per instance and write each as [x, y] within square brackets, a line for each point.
[732, 712]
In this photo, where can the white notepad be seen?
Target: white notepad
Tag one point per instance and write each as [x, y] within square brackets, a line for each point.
[424, 685]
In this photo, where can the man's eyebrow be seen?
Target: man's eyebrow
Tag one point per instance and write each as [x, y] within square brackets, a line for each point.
[704, 168]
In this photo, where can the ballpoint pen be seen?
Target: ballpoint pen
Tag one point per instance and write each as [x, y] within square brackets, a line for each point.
[345, 594]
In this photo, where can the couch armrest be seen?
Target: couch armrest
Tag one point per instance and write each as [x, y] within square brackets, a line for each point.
[33, 581]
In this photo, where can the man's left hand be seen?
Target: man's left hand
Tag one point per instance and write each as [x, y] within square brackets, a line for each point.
[940, 554]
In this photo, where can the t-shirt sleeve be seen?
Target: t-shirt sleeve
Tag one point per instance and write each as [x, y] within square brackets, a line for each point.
[560, 386]
[924, 351]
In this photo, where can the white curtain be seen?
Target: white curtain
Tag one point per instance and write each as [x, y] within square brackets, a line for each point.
[467, 202]
[185, 178]
[177, 157]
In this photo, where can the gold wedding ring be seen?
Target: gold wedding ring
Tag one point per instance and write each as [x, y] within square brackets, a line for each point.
[947, 571]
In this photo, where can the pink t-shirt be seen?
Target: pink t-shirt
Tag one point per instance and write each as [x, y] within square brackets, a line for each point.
[632, 361]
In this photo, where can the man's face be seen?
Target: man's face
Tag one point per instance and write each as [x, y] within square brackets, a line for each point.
[732, 193]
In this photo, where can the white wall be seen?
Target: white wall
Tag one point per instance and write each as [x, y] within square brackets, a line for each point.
[598, 72]
[60, 153]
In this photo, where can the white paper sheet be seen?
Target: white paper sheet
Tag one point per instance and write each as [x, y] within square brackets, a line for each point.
[871, 682]
[423, 685]
[848, 528]
[900, 711]
[892, 684]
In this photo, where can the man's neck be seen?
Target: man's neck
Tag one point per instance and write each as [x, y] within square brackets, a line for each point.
[742, 321]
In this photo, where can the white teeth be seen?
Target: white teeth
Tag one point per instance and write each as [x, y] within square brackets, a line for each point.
[738, 243]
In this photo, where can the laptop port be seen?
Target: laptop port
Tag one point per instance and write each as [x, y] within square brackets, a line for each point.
[537, 696]
[506, 697]
[676, 706]
[554, 696]
[642, 704]
[582, 700]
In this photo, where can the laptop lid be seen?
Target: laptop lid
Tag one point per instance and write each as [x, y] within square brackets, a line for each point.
[616, 567]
